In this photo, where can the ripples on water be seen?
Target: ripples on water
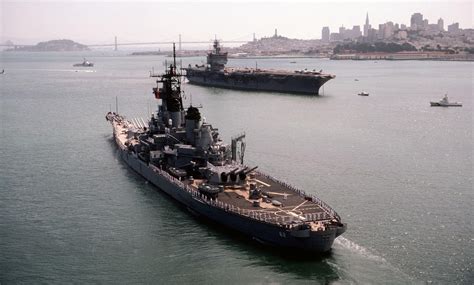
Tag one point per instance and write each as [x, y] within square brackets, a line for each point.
[398, 171]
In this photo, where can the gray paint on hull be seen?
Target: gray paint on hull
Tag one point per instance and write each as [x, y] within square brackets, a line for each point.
[291, 84]
[268, 233]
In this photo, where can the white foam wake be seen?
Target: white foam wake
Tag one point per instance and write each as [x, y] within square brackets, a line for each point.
[358, 249]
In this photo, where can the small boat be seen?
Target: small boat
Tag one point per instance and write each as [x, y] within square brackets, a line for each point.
[3, 71]
[356, 79]
[85, 63]
[363, 93]
[445, 103]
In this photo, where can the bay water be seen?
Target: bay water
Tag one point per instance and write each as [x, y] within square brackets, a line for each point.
[398, 171]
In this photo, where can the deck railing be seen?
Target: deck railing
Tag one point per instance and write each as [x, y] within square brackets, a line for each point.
[259, 215]
[303, 194]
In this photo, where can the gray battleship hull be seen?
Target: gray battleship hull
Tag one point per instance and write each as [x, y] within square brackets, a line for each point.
[288, 83]
[260, 231]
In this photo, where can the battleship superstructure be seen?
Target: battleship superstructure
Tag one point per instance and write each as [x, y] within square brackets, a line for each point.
[183, 155]
[215, 74]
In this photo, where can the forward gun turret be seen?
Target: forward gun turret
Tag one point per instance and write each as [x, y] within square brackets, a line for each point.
[225, 175]
[243, 174]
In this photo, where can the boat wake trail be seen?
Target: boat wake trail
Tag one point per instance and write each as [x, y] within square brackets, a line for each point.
[368, 267]
[355, 248]
[57, 70]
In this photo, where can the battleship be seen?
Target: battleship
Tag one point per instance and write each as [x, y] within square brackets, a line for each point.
[216, 74]
[183, 155]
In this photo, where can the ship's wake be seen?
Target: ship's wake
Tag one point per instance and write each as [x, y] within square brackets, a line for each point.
[365, 263]
[85, 70]
[358, 249]
[57, 70]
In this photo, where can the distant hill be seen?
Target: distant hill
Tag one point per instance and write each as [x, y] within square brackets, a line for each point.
[54, 45]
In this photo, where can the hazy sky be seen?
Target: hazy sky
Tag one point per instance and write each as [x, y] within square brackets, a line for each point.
[98, 21]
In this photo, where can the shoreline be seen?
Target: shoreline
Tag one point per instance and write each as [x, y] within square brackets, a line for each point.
[403, 56]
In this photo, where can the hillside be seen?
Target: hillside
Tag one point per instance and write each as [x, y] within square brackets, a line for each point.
[54, 45]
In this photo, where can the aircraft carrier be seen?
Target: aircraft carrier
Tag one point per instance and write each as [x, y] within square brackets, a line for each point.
[215, 74]
[183, 155]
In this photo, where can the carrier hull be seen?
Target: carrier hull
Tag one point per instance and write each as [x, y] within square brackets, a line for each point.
[259, 81]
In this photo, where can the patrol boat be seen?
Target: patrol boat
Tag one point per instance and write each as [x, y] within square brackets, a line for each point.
[84, 63]
[217, 75]
[444, 102]
[181, 154]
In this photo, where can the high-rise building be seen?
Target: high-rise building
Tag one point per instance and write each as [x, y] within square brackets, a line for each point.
[425, 23]
[441, 25]
[325, 34]
[453, 28]
[356, 31]
[342, 30]
[389, 29]
[416, 21]
[336, 37]
[372, 35]
[381, 31]
[367, 25]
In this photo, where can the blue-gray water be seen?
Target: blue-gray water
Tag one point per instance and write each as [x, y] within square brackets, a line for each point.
[398, 171]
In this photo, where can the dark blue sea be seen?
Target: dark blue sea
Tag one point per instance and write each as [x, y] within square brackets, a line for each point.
[398, 171]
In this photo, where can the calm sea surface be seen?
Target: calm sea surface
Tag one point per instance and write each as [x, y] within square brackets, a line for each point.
[398, 171]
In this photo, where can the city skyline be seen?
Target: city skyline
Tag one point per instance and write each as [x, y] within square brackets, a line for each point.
[389, 29]
[148, 21]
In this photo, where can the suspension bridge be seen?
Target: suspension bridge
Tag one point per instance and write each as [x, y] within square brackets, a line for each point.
[116, 44]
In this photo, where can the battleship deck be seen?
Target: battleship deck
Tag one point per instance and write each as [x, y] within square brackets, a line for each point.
[296, 206]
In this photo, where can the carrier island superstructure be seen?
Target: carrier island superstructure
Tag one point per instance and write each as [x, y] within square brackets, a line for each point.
[216, 74]
[181, 154]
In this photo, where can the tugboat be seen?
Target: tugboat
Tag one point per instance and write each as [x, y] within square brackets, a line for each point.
[363, 93]
[445, 103]
[215, 74]
[183, 155]
[85, 63]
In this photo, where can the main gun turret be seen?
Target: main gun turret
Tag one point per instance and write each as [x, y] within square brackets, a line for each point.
[225, 175]
[243, 174]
